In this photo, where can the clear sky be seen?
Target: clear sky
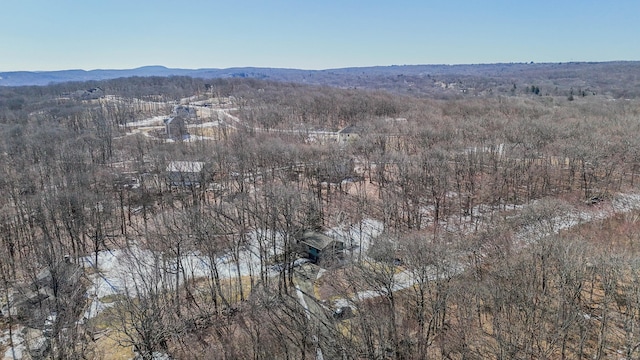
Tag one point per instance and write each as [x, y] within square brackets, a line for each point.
[311, 34]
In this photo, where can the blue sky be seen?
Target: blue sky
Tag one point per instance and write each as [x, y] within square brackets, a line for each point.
[306, 34]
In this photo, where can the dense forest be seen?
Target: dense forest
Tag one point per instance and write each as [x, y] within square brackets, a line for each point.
[176, 217]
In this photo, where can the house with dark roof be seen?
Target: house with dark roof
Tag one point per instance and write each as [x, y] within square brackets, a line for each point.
[176, 128]
[32, 302]
[89, 94]
[349, 133]
[319, 246]
[185, 173]
[187, 112]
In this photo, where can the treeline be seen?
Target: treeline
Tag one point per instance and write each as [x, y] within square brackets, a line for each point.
[440, 176]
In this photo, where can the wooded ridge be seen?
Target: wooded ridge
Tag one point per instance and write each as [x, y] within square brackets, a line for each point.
[437, 212]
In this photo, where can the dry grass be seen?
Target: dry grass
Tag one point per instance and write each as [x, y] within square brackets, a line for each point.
[110, 347]
[347, 281]
[210, 132]
[230, 288]
[337, 283]
[618, 234]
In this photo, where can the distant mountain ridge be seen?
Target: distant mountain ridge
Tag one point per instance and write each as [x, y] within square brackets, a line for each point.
[618, 77]
[25, 78]
[39, 78]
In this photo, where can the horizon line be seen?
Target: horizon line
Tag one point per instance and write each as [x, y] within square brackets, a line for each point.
[323, 69]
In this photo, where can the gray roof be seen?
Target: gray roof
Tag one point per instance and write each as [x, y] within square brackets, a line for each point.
[185, 166]
[351, 129]
[316, 240]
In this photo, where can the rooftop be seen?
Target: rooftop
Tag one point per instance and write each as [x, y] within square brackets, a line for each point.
[185, 166]
[351, 129]
[316, 240]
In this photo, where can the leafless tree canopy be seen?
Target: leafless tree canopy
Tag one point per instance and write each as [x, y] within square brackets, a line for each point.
[494, 220]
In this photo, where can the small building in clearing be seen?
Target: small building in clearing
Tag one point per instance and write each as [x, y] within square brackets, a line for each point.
[184, 111]
[176, 128]
[185, 173]
[320, 246]
[349, 133]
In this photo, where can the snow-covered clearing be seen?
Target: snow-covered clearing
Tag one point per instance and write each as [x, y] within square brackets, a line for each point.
[208, 124]
[357, 238]
[224, 113]
[24, 343]
[621, 203]
[18, 342]
[134, 270]
[152, 121]
[191, 138]
[130, 271]
[401, 280]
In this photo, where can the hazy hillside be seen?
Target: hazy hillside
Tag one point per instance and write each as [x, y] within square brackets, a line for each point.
[156, 217]
[614, 79]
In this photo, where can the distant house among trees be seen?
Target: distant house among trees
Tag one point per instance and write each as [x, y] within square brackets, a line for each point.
[33, 302]
[349, 133]
[176, 128]
[90, 94]
[186, 112]
[185, 173]
[319, 246]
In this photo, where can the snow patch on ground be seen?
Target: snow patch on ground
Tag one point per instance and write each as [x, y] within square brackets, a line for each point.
[626, 202]
[206, 124]
[127, 271]
[152, 121]
[19, 344]
[401, 280]
[357, 238]
[621, 203]
[130, 271]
